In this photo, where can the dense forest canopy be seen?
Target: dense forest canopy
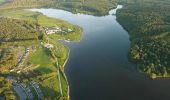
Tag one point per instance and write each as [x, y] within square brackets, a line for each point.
[101, 7]
[16, 30]
[148, 23]
[6, 89]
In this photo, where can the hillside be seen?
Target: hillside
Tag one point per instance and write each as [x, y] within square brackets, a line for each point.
[101, 7]
[25, 55]
[148, 24]
[29, 53]
[17, 30]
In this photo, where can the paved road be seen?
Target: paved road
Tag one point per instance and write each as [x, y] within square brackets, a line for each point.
[20, 92]
[27, 91]
[59, 79]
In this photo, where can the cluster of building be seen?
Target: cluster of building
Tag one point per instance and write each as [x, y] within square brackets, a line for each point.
[22, 57]
[54, 30]
[21, 60]
[18, 70]
[48, 46]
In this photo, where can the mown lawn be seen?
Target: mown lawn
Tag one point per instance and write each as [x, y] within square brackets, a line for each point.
[50, 85]
[64, 84]
[2, 1]
[21, 14]
[42, 57]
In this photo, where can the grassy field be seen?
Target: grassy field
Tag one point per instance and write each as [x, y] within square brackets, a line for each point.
[43, 69]
[20, 14]
[99, 7]
[42, 58]
[46, 72]
[2, 1]
[45, 22]
[64, 84]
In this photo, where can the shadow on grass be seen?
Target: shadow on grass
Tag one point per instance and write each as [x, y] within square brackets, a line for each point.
[50, 93]
[44, 70]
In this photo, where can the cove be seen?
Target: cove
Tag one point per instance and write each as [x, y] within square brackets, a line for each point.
[98, 67]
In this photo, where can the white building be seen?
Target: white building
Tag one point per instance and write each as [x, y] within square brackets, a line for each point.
[52, 30]
[48, 46]
[70, 30]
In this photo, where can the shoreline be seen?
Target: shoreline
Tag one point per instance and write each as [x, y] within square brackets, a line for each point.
[63, 66]
[63, 41]
[63, 71]
[157, 77]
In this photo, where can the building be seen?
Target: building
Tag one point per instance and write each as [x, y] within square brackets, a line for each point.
[70, 30]
[57, 30]
[52, 30]
[48, 46]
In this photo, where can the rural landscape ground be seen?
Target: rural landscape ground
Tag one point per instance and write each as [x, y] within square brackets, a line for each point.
[32, 58]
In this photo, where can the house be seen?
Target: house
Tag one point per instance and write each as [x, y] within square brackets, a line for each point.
[52, 30]
[70, 30]
[41, 43]
[11, 70]
[48, 46]
[18, 71]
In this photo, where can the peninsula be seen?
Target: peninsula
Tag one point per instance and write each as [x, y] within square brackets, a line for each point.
[32, 59]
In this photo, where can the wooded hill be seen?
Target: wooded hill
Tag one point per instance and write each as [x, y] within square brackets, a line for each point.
[148, 23]
[101, 7]
[17, 30]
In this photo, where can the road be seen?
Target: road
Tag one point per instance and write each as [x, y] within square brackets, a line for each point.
[20, 92]
[59, 79]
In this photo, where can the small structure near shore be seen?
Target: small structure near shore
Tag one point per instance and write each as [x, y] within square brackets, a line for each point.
[54, 30]
[49, 46]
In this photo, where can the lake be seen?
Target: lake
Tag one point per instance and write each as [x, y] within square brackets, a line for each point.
[98, 67]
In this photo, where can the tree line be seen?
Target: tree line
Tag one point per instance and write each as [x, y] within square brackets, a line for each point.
[99, 7]
[15, 30]
[148, 24]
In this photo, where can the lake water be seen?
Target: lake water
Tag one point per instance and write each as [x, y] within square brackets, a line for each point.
[98, 68]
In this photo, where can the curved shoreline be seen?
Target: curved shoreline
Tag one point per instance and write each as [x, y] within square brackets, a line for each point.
[66, 61]
[63, 66]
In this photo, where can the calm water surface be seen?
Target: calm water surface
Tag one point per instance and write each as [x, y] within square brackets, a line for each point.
[98, 68]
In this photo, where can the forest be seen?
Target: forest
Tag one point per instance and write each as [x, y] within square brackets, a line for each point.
[148, 23]
[11, 31]
[17, 30]
[6, 89]
[101, 7]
